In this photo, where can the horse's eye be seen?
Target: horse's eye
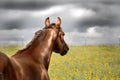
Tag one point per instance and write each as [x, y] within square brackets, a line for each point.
[63, 34]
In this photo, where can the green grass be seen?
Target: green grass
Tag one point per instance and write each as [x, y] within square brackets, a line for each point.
[82, 63]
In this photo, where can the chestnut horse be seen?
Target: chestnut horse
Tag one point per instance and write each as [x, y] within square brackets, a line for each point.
[32, 62]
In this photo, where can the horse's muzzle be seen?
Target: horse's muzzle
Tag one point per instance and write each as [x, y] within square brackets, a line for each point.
[65, 50]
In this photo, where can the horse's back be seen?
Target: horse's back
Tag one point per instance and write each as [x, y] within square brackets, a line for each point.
[27, 69]
[3, 61]
[6, 68]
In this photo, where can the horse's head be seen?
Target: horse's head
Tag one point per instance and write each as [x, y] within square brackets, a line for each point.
[60, 45]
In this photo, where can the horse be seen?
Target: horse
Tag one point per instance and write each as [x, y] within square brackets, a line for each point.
[32, 62]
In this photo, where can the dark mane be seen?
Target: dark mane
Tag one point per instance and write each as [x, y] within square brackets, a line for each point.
[30, 43]
[37, 34]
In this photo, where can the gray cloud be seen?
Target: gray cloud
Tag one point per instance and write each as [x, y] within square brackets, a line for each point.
[106, 15]
[97, 21]
[12, 25]
[111, 2]
[18, 15]
[25, 5]
[22, 22]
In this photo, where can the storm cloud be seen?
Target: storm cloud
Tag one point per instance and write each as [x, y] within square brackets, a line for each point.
[96, 20]
[25, 5]
[106, 13]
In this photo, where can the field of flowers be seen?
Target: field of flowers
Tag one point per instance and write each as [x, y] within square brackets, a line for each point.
[82, 63]
[87, 63]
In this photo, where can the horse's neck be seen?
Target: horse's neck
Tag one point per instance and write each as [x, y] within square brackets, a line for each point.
[41, 53]
[40, 49]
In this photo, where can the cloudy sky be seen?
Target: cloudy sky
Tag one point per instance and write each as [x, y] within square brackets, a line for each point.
[84, 21]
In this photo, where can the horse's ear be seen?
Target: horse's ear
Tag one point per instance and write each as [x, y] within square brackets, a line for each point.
[58, 22]
[47, 22]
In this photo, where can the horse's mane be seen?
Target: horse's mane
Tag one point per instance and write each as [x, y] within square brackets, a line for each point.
[37, 34]
[30, 43]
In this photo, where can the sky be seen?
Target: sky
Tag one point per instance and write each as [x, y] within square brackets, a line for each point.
[85, 22]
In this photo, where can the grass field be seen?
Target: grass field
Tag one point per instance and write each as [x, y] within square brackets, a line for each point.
[82, 63]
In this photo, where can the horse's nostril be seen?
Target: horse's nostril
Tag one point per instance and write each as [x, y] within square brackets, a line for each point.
[67, 48]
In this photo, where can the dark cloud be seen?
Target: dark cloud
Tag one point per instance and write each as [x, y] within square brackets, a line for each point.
[111, 2]
[97, 21]
[19, 15]
[106, 14]
[25, 5]
[12, 25]
[34, 4]
[25, 22]
[42, 4]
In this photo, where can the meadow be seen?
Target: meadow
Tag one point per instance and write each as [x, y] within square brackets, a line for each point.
[82, 63]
